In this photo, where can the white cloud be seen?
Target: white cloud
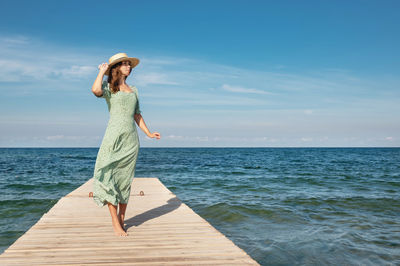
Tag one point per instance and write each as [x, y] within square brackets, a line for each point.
[174, 137]
[154, 78]
[243, 90]
[14, 41]
[279, 66]
[23, 70]
[27, 60]
[308, 112]
[63, 137]
[56, 137]
[74, 72]
[336, 102]
[202, 138]
[156, 62]
[24, 59]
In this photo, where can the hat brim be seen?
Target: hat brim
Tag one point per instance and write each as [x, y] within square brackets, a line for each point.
[134, 62]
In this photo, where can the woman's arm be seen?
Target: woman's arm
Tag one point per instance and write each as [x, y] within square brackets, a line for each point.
[140, 122]
[96, 87]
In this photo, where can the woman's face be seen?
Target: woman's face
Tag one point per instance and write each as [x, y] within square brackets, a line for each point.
[125, 68]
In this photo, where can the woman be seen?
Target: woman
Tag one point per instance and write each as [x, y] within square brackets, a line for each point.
[116, 160]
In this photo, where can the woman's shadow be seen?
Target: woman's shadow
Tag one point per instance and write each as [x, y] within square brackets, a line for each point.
[172, 204]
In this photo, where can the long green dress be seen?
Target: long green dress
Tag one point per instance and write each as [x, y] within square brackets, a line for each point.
[116, 159]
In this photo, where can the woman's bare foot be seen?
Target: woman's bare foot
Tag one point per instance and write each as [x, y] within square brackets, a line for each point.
[119, 231]
[121, 222]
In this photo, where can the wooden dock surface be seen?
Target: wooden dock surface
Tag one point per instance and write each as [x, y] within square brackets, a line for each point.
[162, 231]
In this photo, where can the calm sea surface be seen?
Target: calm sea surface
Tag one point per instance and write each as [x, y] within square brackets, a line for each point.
[283, 206]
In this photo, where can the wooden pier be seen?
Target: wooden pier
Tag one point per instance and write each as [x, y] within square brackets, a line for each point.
[162, 231]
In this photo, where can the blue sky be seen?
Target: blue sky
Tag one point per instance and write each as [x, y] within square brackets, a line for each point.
[212, 73]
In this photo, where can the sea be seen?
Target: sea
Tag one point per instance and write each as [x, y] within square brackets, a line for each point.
[282, 206]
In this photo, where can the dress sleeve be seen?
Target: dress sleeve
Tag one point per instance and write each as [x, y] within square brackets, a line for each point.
[106, 89]
[137, 108]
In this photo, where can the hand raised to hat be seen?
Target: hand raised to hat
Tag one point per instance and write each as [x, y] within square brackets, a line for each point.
[103, 68]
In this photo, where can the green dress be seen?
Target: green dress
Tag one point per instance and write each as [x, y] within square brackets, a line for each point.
[116, 159]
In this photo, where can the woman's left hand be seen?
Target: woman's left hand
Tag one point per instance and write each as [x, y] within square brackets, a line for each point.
[155, 135]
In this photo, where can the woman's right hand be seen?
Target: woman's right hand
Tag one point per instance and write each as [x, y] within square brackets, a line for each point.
[103, 68]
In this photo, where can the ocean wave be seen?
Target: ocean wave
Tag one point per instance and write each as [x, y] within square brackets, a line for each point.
[79, 157]
[13, 207]
[225, 212]
[356, 203]
[40, 185]
[252, 167]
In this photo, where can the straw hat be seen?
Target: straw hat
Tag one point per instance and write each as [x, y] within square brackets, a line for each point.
[119, 58]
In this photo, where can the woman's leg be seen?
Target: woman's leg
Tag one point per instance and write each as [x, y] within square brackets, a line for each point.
[121, 214]
[115, 221]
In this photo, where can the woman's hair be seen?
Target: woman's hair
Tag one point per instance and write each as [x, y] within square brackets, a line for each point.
[115, 76]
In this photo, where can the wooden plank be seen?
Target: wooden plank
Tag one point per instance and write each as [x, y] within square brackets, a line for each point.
[162, 231]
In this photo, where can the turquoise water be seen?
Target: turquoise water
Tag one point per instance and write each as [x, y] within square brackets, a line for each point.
[283, 206]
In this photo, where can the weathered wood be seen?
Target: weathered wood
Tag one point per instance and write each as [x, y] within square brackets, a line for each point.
[162, 231]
